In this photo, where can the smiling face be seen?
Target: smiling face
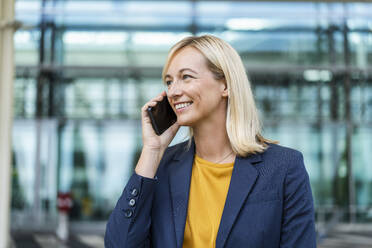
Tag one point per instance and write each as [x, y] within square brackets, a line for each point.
[194, 94]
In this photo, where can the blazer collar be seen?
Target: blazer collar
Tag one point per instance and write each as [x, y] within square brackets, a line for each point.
[243, 177]
[179, 179]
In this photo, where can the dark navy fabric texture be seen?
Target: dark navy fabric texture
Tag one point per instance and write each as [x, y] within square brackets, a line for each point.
[269, 203]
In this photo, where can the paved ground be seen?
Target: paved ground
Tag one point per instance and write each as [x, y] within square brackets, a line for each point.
[348, 236]
[49, 240]
[342, 236]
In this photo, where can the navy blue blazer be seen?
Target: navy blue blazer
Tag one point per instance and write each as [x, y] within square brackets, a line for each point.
[269, 203]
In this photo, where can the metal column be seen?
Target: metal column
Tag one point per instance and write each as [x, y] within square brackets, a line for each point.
[349, 122]
[6, 103]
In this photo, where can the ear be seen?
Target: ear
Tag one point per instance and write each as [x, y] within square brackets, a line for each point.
[225, 91]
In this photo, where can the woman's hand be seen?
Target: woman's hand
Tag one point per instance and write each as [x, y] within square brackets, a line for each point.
[153, 145]
[149, 138]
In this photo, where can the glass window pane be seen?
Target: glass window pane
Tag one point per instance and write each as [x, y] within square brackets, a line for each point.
[26, 46]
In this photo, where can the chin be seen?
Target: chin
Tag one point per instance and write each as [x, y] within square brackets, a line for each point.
[184, 124]
[185, 121]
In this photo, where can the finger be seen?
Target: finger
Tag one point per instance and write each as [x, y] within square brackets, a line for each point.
[152, 103]
[149, 104]
[159, 97]
[144, 114]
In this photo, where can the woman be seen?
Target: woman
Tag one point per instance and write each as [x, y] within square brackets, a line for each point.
[227, 186]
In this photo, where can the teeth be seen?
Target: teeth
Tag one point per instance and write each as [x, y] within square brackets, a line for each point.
[182, 105]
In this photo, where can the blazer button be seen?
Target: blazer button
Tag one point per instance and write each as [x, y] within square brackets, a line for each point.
[132, 202]
[134, 192]
[128, 213]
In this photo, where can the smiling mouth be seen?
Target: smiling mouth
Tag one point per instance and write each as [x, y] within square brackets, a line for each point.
[182, 105]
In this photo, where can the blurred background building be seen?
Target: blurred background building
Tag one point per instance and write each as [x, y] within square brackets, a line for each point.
[84, 68]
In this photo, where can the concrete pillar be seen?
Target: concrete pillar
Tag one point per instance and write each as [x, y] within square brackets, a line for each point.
[6, 110]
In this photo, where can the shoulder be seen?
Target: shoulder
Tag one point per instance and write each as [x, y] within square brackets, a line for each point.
[288, 164]
[284, 160]
[281, 154]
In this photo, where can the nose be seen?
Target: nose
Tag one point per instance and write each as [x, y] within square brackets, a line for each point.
[174, 90]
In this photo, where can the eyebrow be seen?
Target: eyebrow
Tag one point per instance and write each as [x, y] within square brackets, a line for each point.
[182, 70]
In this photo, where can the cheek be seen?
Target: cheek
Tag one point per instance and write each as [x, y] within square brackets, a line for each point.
[195, 92]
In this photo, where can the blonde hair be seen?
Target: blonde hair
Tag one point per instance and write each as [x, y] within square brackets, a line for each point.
[242, 120]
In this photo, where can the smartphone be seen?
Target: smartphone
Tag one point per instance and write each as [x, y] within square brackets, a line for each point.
[162, 116]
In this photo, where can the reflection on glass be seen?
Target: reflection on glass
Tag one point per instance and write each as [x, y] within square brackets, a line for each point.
[362, 158]
[26, 47]
[24, 97]
[118, 48]
[361, 48]
[34, 173]
[91, 48]
[322, 148]
[106, 68]
[265, 49]
[96, 159]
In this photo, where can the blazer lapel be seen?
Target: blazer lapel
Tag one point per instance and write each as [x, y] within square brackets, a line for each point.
[179, 179]
[243, 177]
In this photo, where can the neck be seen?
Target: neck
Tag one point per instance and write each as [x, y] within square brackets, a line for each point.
[212, 142]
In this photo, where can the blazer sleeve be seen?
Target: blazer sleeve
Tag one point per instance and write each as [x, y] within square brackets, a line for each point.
[129, 223]
[298, 226]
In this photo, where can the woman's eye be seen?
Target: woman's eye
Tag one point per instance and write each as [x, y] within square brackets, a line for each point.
[168, 83]
[186, 76]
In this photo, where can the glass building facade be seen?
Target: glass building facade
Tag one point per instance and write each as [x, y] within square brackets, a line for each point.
[85, 68]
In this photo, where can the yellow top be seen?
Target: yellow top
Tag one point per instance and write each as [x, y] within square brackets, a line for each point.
[208, 191]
